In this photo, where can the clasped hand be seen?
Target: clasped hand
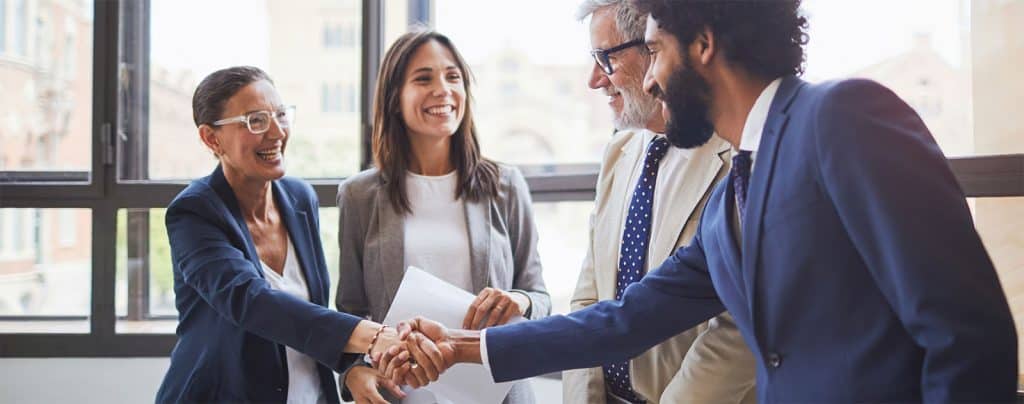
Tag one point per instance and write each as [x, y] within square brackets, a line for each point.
[423, 353]
[424, 349]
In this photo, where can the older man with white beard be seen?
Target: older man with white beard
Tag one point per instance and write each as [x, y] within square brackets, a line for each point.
[649, 199]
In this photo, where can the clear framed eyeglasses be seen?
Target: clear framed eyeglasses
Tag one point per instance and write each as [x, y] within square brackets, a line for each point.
[258, 122]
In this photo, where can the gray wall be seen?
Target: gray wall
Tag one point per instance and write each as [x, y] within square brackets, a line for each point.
[135, 380]
[73, 380]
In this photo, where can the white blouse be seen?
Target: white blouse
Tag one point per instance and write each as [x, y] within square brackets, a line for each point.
[303, 378]
[436, 234]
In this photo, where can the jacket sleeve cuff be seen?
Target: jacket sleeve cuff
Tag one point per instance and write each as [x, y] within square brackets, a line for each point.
[346, 395]
[529, 310]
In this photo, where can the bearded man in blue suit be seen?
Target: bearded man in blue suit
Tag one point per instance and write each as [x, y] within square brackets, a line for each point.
[841, 242]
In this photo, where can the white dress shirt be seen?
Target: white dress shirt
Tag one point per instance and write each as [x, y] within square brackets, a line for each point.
[753, 128]
[750, 140]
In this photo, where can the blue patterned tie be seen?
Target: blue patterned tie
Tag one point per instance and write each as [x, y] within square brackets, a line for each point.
[740, 175]
[633, 254]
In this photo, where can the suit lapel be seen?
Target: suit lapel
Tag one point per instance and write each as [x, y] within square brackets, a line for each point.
[299, 232]
[764, 168]
[619, 176]
[726, 234]
[223, 189]
[678, 202]
[391, 252]
[478, 222]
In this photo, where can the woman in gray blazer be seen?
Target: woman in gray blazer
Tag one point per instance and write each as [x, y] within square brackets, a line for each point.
[433, 202]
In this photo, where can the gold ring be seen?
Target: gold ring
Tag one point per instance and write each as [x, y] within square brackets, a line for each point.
[499, 308]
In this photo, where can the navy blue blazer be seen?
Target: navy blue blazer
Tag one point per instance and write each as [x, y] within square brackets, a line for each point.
[861, 277]
[232, 326]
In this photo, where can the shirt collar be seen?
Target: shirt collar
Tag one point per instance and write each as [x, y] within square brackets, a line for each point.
[649, 135]
[750, 139]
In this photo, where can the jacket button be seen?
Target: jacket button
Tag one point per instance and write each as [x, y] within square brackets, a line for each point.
[280, 389]
[774, 360]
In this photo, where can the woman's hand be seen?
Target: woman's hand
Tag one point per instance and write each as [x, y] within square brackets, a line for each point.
[365, 383]
[495, 306]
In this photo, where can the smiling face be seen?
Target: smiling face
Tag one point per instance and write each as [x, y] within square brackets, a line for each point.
[433, 94]
[684, 93]
[631, 106]
[243, 154]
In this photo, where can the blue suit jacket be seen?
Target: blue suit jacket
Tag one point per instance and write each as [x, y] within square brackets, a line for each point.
[861, 278]
[232, 326]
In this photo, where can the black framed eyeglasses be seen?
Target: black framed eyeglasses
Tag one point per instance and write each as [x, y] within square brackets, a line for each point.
[601, 55]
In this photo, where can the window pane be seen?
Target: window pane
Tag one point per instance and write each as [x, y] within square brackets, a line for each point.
[396, 21]
[563, 229]
[144, 293]
[951, 60]
[46, 79]
[998, 52]
[563, 237]
[45, 270]
[533, 105]
[310, 48]
[144, 289]
[999, 222]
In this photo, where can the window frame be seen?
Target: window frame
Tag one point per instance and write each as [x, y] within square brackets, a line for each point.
[104, 194]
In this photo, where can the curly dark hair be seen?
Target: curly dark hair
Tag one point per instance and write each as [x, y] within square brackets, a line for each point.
[764, 37]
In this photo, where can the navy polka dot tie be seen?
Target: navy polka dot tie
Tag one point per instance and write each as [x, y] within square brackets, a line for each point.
[633, 255]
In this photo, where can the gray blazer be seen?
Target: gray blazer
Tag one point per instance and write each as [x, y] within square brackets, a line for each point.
[503, 246]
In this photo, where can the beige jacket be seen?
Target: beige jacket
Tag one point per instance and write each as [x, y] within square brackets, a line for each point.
[709, 363]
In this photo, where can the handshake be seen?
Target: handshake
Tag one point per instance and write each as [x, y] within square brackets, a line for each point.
[414, 354]
[418, 351]
[423, 351]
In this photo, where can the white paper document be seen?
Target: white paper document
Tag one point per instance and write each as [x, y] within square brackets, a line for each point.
[423, 294]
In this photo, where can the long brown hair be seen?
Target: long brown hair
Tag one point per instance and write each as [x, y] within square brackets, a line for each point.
[477, 176]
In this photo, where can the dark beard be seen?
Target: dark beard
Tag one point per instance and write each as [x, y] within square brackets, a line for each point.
[687, 95]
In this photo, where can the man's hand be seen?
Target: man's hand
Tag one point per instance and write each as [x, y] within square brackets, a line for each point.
[496, 306]
[365, 383]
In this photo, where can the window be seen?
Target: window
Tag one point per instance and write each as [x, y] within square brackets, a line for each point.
[144, 290]
[925, 51]
[46, 113]
[563, 232]
[44, 276]
[520, 120]
[280, 40]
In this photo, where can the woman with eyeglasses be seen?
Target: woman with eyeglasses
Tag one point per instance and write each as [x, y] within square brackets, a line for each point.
[250, 280]
[432, 201]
